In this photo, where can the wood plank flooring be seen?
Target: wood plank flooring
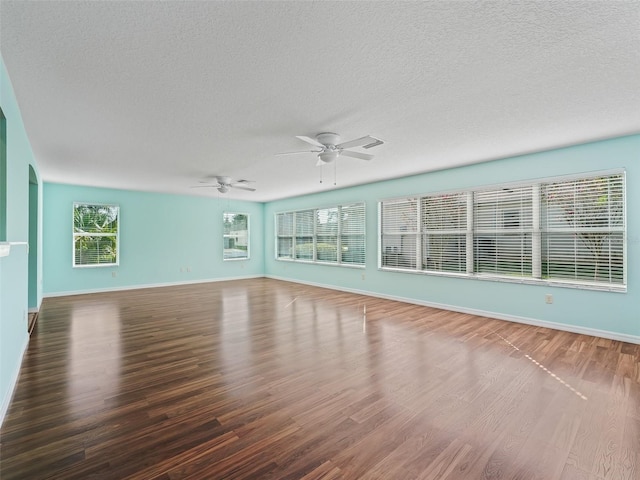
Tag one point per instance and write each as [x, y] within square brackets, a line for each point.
[264, 379]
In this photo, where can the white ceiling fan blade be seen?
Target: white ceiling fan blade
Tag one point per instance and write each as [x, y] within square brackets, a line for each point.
[361, 156]
[296, 153]
[244, 181]
[310, 140]
[209, 185]
[242, 187]
[358, 142]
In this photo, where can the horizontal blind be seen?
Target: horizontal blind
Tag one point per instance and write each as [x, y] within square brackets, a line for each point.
[503, 231]
[399, 226]
[352, 234]
[95, 250]
[444, 232]
[284, 228]
[304, 224]
[583, 229]
[333, 234]
[285, 224]
[327, 234]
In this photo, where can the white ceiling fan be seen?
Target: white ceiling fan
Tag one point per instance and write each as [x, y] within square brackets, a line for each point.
[329, 147]
[223, 184]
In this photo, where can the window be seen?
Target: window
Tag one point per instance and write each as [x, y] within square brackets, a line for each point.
[444, 233]
[565, 231]
[352, 234]
[284, 233]
[95, 234]
[399, 233]
[304, 235]
[327, 234]
[332, 235]
[583, 230]
[236, 236]
[503, 231]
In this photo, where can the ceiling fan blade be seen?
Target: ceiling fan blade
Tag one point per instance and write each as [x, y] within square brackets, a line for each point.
[242, 187]
[296, 153]
[358, 142]
[209, 185]
[310, 140]
[244, 181]
[361, 156]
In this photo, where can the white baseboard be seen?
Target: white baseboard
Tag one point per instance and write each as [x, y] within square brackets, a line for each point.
[622, 337]
[149, 285]
[6, 401]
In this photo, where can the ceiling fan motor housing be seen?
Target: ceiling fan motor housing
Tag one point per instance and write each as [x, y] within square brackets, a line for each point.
[328, 139]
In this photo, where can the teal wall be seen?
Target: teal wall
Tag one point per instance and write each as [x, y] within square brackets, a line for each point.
[35, 293]
[579, 310]
[160, 234]
[14, 269]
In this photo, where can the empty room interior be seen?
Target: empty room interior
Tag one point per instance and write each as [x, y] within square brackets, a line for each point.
[320, 240]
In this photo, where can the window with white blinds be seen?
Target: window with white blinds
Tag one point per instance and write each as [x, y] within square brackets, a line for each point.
[304, 226]
[583, 230]
[399, 242]
[327, 234]
[566, 231]
[444, 232]
[352, 234]
[95, 234]
[284, 235]
[502, 227]
[334, 235]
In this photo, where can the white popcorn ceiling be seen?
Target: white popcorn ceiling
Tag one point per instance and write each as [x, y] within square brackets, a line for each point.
[155, 95]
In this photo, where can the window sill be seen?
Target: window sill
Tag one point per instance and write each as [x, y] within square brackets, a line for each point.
[522, 280]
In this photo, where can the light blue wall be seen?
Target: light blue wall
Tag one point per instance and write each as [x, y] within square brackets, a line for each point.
[35, 294]
[160, 234]
[14, 269]
[581, 310]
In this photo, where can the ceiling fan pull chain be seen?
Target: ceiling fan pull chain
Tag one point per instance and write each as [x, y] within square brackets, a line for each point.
[335, 173]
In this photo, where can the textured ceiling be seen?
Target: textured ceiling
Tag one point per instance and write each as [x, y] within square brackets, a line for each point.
[156, 95]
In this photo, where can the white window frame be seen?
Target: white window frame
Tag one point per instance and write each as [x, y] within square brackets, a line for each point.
[226, 235]
[536, 230]
[76, 235]
[339, 234]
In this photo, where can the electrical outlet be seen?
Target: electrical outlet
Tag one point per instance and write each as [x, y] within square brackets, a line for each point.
[114, 274]
[363, 276]
[548, 298]
[189, 269]
[181, 269]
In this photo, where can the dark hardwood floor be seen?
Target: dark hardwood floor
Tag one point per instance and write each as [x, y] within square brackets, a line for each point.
[260, 378]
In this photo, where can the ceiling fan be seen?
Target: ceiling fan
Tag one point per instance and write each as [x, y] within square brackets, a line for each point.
[223, 184]
[329, 147]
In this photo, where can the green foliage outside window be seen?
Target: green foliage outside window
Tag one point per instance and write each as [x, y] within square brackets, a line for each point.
[95, 234]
